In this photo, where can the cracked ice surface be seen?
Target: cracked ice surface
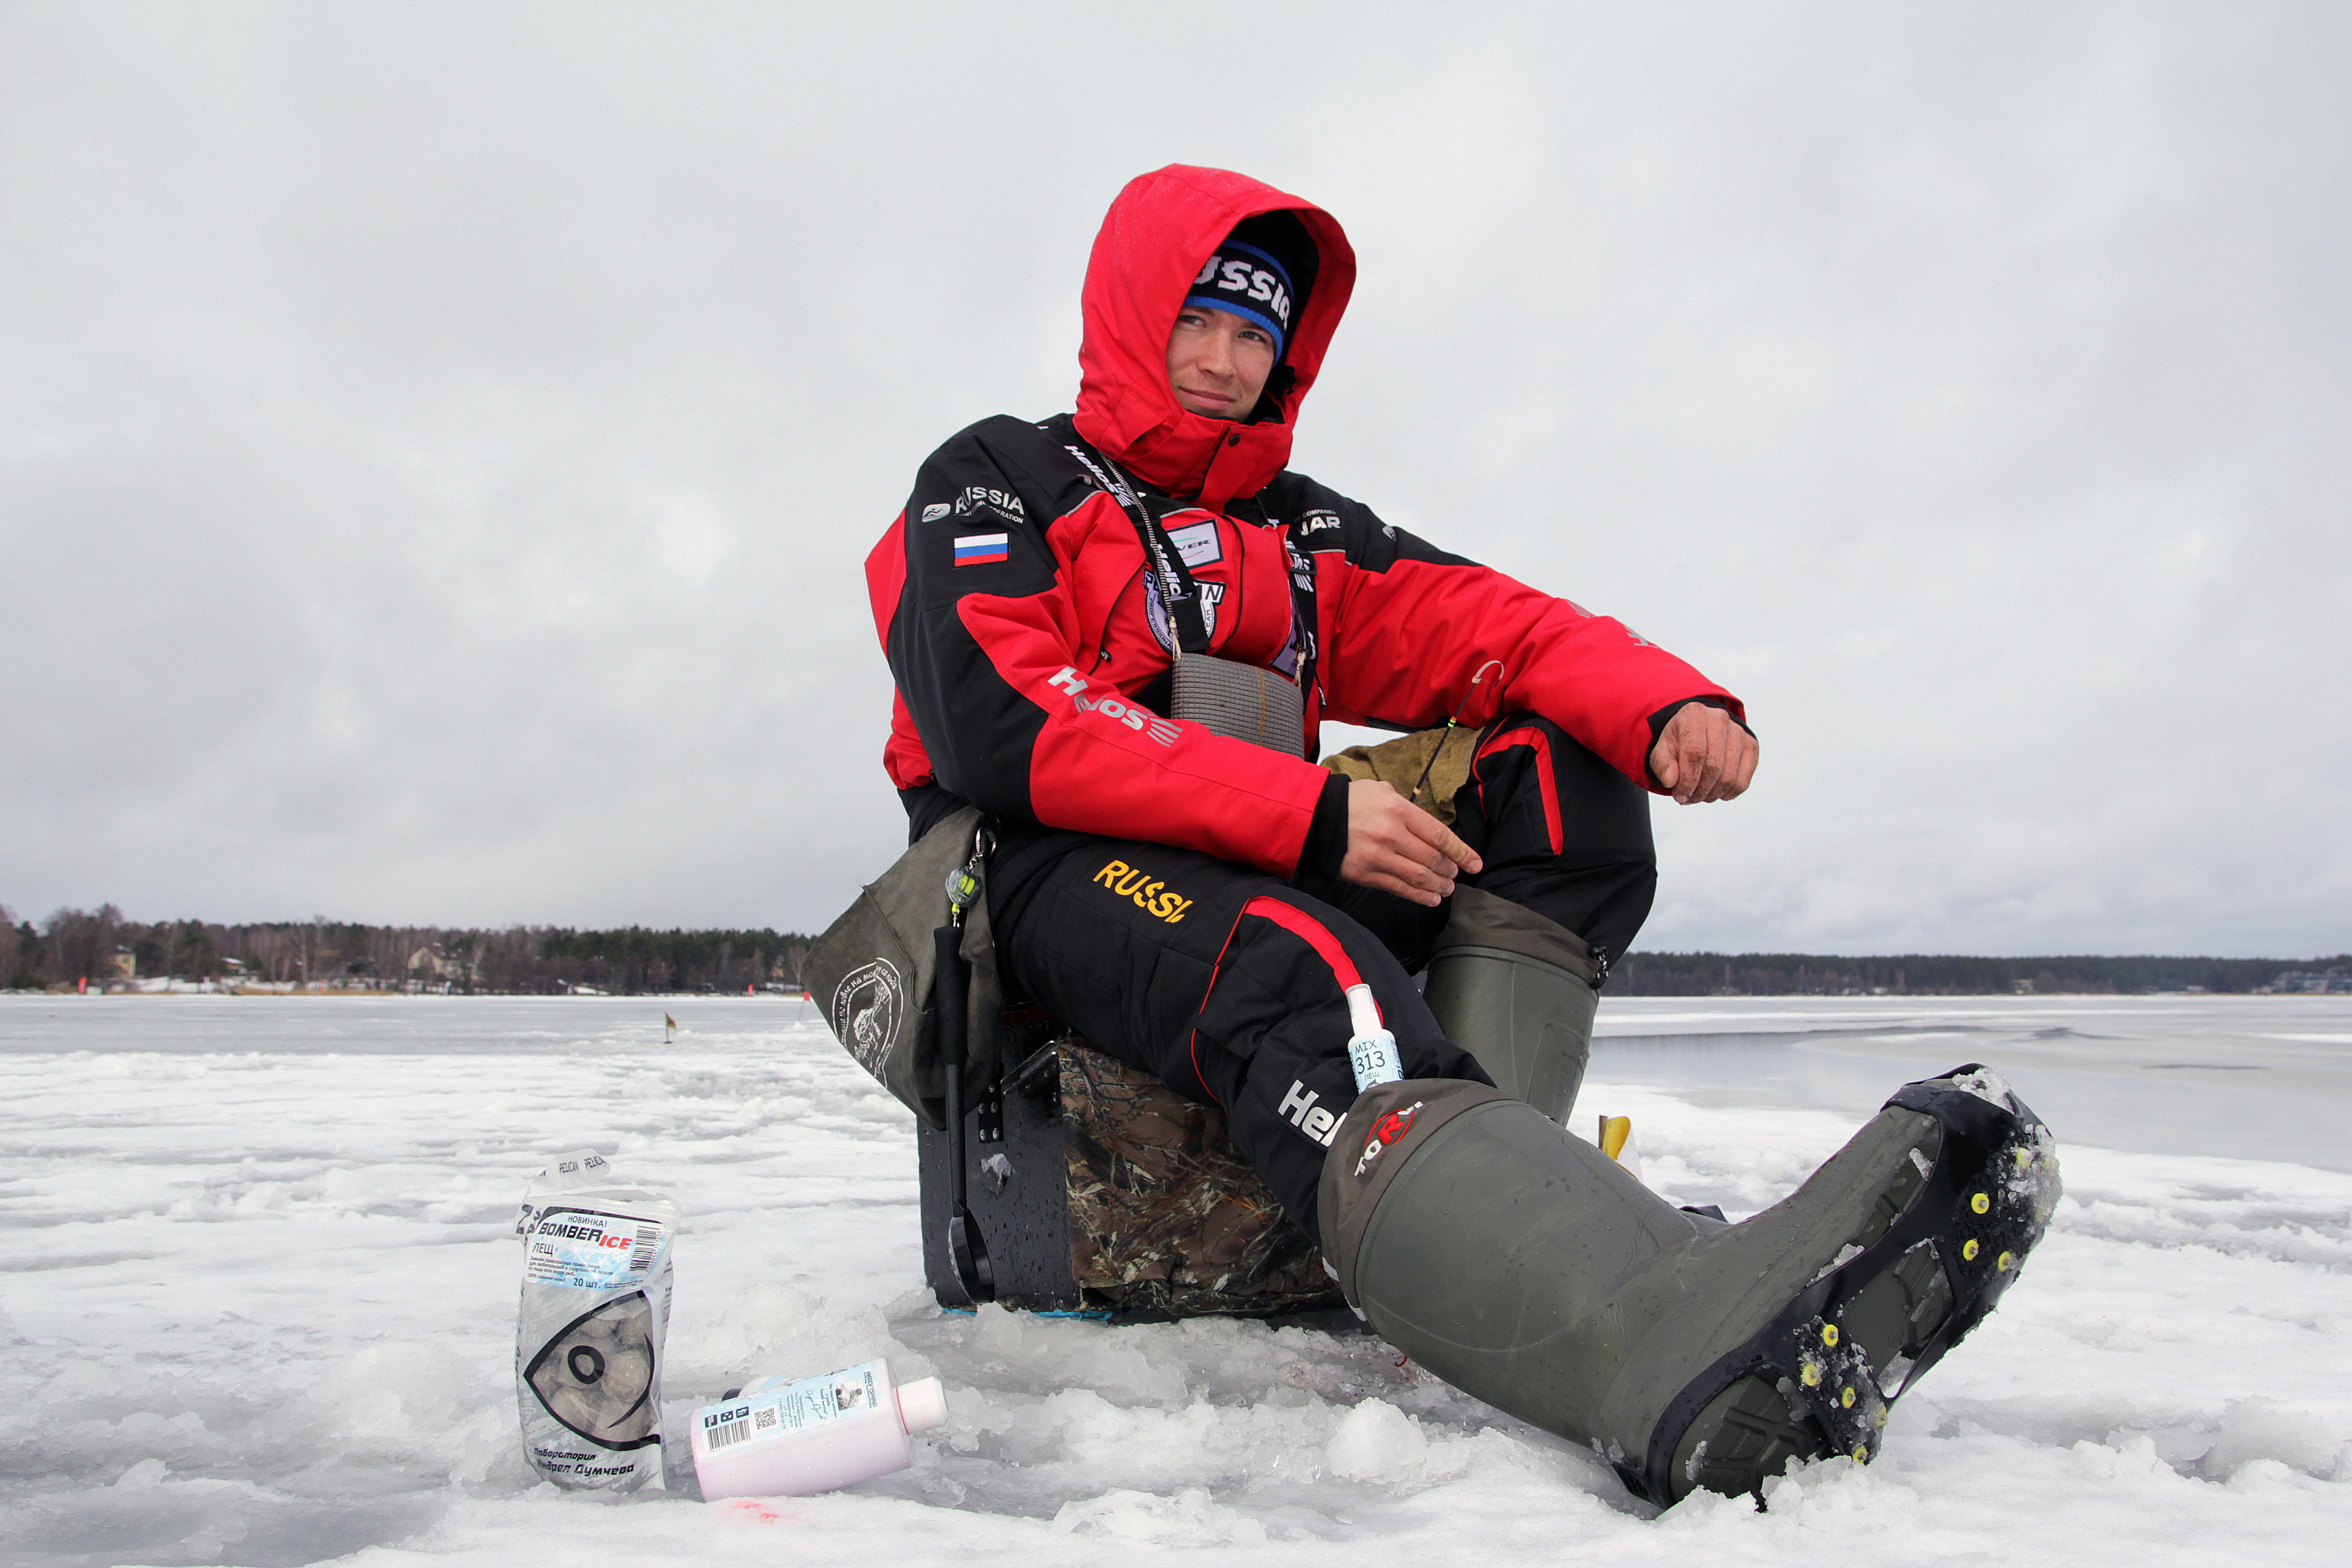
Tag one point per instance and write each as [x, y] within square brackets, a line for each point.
[257, 1290]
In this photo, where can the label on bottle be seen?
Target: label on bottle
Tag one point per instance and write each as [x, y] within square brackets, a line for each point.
[1374, 1058]
[590, 1251]
[791, 1408]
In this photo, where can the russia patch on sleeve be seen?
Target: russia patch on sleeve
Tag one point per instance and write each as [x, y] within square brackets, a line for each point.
[980, 549]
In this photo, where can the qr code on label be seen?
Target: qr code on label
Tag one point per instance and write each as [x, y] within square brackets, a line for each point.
[764, 1417]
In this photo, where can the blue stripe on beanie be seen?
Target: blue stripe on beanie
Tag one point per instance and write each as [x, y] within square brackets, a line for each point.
[1251, 284]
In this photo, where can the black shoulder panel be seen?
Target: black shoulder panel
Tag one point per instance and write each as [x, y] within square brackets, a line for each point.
[1321, 519]
[1035, 455]
[976, 523]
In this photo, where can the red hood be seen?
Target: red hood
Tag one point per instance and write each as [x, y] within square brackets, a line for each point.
[1158, 233]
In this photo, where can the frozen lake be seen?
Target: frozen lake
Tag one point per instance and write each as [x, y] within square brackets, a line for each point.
[2255, 1078]
[257, 1286]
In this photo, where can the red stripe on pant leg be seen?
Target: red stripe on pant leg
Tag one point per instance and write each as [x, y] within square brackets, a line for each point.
[1192, 1041]
[1311, 932]
[1542, 747]
[1306, 929]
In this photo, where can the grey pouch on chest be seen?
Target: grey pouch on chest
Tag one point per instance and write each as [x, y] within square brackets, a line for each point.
[1241, 701]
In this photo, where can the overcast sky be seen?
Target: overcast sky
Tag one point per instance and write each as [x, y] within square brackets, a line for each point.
[438, 442]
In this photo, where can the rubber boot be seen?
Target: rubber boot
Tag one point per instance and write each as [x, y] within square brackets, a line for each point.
[1515, 990]
[1524, 1266]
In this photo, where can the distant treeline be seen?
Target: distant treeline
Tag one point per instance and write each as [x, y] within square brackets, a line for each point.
[101, 948]
[1937, 974]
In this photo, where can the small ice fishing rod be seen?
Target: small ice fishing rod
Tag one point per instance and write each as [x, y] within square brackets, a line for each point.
[1450, 725]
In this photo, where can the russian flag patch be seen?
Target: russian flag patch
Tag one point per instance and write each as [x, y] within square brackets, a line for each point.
[980, 549]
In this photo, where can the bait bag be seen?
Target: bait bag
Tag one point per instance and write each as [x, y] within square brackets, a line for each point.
[588, 1343]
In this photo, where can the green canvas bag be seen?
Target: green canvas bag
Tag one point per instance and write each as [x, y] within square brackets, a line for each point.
[872, 973]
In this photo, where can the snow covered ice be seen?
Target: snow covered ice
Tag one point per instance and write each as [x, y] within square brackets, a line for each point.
[257, 1286]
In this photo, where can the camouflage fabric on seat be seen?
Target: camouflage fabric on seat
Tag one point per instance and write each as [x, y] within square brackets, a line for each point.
[1165, 1217]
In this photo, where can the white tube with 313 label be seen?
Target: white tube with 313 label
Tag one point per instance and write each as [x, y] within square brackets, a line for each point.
[1373, 1050]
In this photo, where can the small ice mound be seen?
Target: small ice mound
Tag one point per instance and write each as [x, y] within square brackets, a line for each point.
[1190, 1518]
[144, 1474]
[153, 1515]
[1377, 1442]
[2257, 1429]
[774, 1328]
[398, 1391]
[1039, 1355]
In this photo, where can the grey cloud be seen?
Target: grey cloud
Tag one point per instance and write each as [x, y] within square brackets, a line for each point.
[439, 444]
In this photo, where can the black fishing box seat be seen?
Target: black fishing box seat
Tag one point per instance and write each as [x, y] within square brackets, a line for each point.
[1094, 1187]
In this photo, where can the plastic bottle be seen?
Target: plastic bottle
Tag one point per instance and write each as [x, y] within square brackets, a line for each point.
[778, 1438]
[588, 1338]
[1374, 1051]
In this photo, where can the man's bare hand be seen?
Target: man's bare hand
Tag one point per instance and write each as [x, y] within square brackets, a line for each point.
[1702, 755]
[1397, 847]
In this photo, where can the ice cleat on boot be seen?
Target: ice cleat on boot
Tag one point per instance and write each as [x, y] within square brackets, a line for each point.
[1517, 991]
[1528, 1268]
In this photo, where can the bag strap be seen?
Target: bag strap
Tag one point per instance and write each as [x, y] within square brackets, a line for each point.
[1179, 593]
[952, 983]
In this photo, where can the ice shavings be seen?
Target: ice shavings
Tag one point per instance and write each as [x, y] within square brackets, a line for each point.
[2034, 1175]
[1190, 1518]
[1377, 1442]
[1988, 1085]
[1846, 1255]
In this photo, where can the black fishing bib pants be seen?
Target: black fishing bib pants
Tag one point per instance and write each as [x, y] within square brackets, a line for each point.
[1229, 984]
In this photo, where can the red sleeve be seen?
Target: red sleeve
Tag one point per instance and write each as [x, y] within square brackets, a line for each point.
[1405, 628]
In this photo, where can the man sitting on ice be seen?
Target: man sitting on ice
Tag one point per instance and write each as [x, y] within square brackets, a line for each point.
[1117, 631]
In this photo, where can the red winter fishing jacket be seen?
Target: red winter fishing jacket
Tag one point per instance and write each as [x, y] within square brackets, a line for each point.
[1032, 653]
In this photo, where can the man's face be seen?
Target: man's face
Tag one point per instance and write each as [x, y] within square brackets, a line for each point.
[1218, 362]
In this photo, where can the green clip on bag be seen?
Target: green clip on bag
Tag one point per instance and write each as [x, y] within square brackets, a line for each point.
[873, 972]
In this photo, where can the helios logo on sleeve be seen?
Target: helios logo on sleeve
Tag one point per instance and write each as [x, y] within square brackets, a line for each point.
[1139, 719]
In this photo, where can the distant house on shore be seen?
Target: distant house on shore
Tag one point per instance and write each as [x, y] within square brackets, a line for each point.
[435, 962]
[2310, 980]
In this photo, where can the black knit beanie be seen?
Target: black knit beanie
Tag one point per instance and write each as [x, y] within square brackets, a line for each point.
[1262, 272]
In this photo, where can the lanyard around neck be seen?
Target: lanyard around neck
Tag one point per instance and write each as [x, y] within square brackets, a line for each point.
[1179, 593]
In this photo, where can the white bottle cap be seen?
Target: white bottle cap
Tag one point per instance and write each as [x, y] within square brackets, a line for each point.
[1363, 1013]
[922, 1405]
